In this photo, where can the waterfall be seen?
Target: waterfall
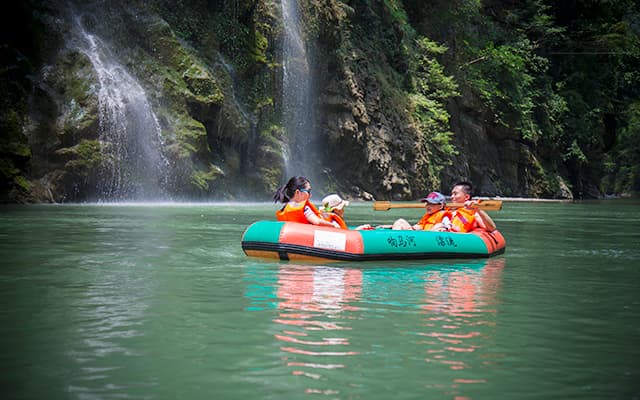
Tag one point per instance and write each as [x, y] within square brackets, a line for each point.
[299, 151]
[134, 166]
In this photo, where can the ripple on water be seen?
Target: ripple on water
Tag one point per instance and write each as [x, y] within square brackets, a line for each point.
[627, 254]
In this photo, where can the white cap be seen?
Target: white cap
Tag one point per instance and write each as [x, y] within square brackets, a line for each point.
[334, 202]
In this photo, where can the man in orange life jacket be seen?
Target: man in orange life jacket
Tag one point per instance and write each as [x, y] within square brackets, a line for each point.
[468, 218]
[435, 218]
[333, 210]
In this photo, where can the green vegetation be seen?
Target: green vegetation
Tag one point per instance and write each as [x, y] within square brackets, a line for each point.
[504, 77]
[562, 76]
[14, 149]
[202, 179]
[432, 88]
[84, 158]
[622, 163]
[405, 88]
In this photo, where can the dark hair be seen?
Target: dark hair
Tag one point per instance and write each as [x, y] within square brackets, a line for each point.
[466, 187]
[286, 192]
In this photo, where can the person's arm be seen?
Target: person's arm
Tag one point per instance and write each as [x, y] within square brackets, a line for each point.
[484, 221]
[364, 227]
[315, 220]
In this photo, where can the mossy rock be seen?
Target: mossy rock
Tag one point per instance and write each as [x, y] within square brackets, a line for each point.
[8, 170]
[191, 136]
[203, 179]
[76, 92]
[83, 159]
[203, 85]
[13, 143]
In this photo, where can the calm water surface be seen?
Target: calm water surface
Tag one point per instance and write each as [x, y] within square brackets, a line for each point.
[160, 302]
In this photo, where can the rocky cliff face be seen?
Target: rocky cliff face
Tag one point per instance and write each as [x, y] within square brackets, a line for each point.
[211, 75]
[496, 159]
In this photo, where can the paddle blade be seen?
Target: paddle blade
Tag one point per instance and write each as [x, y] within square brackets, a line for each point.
[490, 205]
[381, 206]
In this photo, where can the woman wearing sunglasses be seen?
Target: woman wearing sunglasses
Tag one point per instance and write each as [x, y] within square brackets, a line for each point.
[297, 208]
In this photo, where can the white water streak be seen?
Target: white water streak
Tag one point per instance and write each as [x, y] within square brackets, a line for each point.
[296, 94]
[130, 134]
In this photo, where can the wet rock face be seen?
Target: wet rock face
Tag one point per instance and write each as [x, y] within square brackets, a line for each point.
[495, 159]
[62, 116]
[372, 147]
[362, 140]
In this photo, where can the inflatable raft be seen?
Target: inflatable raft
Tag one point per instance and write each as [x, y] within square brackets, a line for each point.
[296, 241]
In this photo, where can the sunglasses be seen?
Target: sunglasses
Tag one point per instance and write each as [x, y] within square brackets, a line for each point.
[305, 190]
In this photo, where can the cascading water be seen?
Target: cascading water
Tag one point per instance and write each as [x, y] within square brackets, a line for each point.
[134, 166]
[300, 150]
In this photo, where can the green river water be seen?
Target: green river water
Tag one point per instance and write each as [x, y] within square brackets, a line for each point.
[160, 302]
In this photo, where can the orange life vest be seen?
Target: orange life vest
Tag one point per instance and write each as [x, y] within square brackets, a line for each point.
[335, 217]
[429, 220]
[295, 212]
[463, 220]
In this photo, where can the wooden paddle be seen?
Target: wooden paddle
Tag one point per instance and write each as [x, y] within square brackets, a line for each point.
[486, 205]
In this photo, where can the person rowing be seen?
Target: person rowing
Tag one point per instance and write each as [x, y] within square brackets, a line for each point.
[469, 217]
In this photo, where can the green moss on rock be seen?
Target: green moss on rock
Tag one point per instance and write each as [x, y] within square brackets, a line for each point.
[23, 183]
[83, 158]
[202, 84]
[202, 179]
[191, 136]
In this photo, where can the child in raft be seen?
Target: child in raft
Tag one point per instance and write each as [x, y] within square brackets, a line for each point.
[333, 210]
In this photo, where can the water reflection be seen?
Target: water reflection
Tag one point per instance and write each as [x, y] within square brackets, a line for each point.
[430, 324]
[459, 310]
[315, 306]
